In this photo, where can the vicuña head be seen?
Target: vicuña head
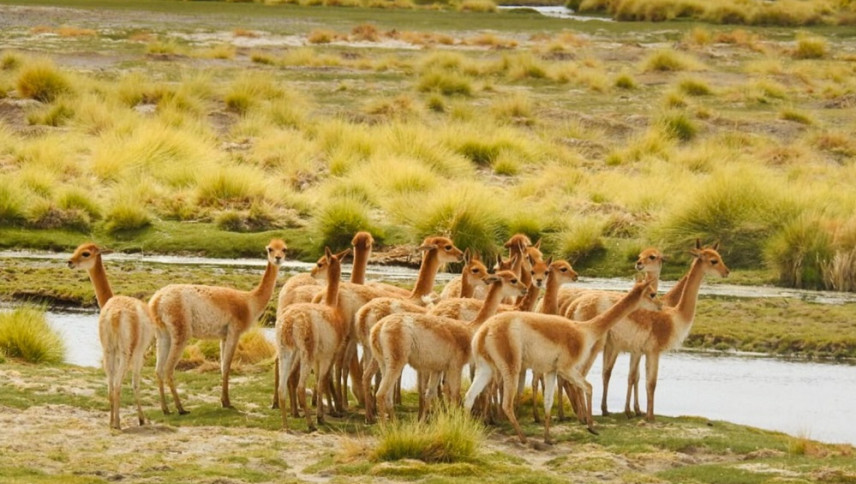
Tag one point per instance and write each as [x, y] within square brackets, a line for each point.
[85, 256]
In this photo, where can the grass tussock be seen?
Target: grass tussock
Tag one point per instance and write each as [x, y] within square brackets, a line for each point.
[127, 215]
[477, 6]
[447, 83]
[736, 207]
[26, 334]
[13, 203]
[810, 47]
[449, 436]
[42, 81]
[670, 60]
[799, 252]
[338, 219]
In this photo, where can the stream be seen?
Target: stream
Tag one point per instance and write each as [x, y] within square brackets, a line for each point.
[807, 399]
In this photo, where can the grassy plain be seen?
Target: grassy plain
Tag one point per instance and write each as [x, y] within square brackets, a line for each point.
[120, 119]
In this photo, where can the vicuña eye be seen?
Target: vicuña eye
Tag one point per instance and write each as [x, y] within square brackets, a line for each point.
[448, 247]
[86, 254]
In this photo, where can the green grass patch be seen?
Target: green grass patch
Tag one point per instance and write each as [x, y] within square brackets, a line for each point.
[449, 436]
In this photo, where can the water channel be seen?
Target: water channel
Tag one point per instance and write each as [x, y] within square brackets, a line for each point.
[797, 397]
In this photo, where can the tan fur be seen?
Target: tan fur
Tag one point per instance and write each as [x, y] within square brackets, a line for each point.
[471, 281]
[432, 345]
[184, 311]
[125, 329]
[650, 332]
[309, 336]
[437, 251]
[509, 342]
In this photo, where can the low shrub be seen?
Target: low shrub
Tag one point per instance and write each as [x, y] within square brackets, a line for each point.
[448, 436]
[26, 334]
[42, 81]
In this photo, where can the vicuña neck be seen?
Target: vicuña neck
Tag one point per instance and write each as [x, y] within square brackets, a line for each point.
[673, 297]
[361, 261]
[528, 302]
[98, 276]
[490, 306]
[427, 272]
[689, 296]
[262, 293]
[620, 310]
[334, 275]
[550, 303]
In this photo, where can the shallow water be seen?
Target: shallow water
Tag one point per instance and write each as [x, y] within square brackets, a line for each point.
[800, 398]
[556, 11]
[407, 275]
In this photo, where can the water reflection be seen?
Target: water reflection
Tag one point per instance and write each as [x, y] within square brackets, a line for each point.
[800, 398]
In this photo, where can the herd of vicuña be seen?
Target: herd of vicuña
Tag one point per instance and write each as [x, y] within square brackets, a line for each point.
[494, 322]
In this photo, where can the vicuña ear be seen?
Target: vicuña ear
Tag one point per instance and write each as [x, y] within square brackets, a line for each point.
[716, 246]
[549, 260]
[537, 245]
[466, 255]
[427, 247]
[328, 253]
[490, 279]
[697, 244]
[104, 251]
[343, 254]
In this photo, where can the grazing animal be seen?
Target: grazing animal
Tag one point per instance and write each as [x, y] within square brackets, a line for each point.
[125, 329]
[548, 344]
[184, 311]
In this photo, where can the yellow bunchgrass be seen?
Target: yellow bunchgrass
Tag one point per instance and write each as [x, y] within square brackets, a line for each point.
[231, 186]
[516, 107]
[477, 6]
[412, 141]
[667, 60]
[309, 57]
[810, 47]
[173, 156]
[287, 153]
[323, 36]
[42, 80]
[397, 176]
[219, 51]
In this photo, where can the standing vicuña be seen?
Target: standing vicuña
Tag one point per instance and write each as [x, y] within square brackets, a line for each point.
[184, 311]
[652, 332]
[125, 329]
[552, 345]
[310, 336]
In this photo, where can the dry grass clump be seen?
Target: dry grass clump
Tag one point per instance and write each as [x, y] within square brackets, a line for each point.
[42, 81]
[322, 36]
[490, 40]
[810, 47]
[795, 116]
[219, 51]
[231, 186]
[68, 31]
[447, 83]
[517, 108]
[239, 32]
[365, 33]
[448, 436]
[477, 6]
[670, 60]
[799, 251]
[26, 334]
[13, 203]
[694, 87]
